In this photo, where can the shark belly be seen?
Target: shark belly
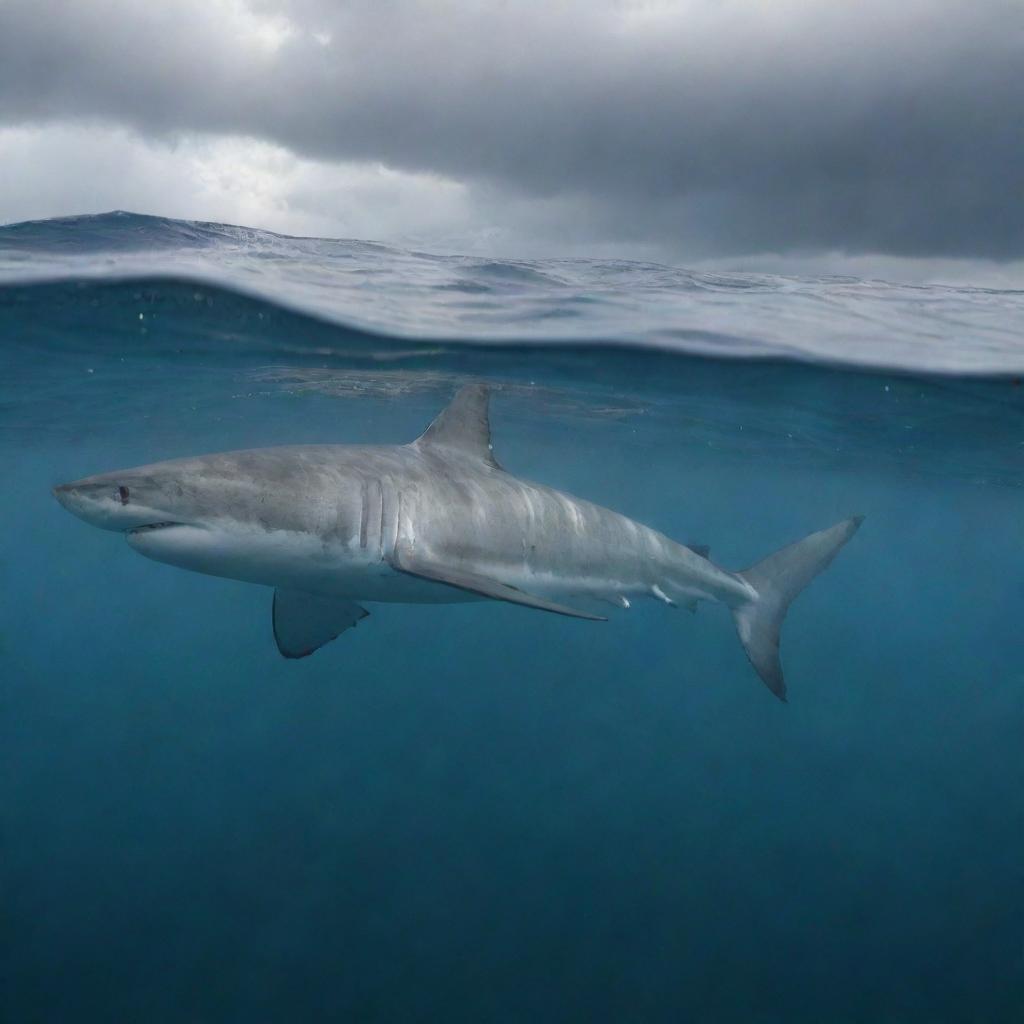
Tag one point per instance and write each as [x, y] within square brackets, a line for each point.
[291, 559]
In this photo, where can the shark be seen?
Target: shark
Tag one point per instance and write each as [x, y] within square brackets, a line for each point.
[331, 527]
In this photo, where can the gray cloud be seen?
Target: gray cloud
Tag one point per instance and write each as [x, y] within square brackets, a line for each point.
[706, 127]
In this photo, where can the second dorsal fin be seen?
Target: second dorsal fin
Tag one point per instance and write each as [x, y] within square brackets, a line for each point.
[463, 426]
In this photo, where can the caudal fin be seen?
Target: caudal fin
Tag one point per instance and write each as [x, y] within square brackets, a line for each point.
[777, 580]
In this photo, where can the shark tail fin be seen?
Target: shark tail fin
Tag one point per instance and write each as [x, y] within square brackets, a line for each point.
[777, 580]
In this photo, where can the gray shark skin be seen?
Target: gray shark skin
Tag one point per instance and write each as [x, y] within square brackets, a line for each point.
[434, 521]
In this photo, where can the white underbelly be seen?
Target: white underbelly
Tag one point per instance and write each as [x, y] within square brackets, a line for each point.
[296, 561]
[305, 561]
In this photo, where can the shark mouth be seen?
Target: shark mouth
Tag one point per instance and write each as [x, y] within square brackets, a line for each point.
[149, 527]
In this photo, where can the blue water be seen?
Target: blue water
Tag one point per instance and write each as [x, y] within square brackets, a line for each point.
[481, 812]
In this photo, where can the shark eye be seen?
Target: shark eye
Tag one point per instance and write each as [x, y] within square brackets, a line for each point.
[123, 494]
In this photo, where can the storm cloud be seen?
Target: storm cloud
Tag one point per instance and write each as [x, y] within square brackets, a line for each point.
[707, 127]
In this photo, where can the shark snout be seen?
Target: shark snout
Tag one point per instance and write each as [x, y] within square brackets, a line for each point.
[106, 502]
[80, 500]
[68, 496]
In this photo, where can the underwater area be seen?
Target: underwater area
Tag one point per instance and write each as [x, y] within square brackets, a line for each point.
[483, 812]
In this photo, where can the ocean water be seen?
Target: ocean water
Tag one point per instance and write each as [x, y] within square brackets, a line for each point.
[481, 812]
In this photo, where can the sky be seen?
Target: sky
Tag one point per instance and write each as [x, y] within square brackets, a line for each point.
[866, 136]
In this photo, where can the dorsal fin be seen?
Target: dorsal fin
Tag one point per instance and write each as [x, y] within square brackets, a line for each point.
[463, 426]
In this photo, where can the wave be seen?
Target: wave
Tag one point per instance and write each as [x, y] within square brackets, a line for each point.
[388, 295]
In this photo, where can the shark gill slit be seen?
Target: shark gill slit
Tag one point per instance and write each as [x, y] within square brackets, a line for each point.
[364, 515]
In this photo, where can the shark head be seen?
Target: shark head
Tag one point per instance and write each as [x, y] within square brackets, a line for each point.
[258, 516]
[147, 498]
[155, 507]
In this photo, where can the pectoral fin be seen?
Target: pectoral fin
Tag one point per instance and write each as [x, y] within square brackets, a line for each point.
[427, 569]
[303, 622]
